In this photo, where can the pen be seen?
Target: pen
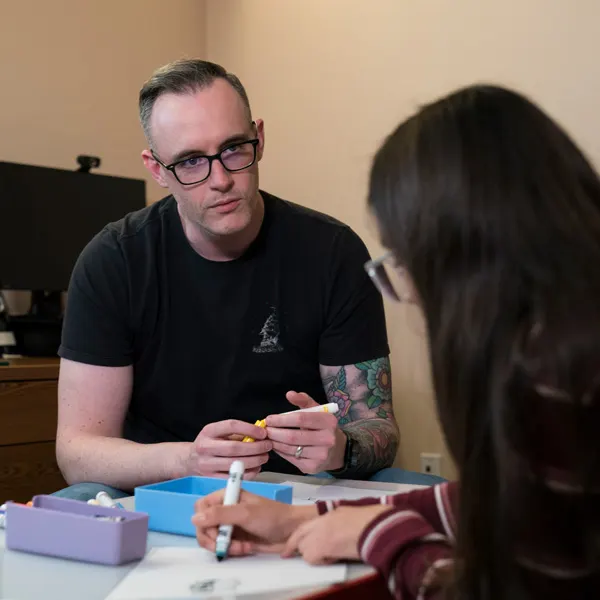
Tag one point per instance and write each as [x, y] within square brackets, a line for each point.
[232, 495]
[332, 408]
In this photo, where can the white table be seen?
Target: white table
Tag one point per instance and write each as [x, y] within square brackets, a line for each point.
[31, 577]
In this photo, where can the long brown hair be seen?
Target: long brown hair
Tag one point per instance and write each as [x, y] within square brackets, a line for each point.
[495, 213]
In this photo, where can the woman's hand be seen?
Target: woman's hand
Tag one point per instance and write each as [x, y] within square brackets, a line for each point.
[261, 525]
[332, 536]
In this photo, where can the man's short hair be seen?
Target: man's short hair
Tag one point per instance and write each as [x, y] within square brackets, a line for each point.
[181, 77]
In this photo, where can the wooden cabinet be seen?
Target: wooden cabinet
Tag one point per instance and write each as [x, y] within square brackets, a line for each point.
[28, 410]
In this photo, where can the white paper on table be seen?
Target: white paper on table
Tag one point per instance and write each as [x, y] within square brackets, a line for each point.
[307, 493]
[180, 572]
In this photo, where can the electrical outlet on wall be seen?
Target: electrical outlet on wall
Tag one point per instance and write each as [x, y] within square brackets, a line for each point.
[431, 463]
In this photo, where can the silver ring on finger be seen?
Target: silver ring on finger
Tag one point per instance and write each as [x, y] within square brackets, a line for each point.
[299, 451]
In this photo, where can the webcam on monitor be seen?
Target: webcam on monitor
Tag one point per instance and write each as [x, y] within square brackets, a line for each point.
[87, 162]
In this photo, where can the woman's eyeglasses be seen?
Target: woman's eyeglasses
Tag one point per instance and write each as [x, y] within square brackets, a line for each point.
[389, 278]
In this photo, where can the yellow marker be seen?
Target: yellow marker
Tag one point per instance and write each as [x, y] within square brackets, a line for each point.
[260, 423]
[332, 408]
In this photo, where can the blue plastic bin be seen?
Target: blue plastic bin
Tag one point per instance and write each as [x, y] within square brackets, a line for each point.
[170, 504]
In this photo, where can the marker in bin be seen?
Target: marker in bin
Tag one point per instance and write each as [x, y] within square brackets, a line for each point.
[3, 512]
[332, 408]
[103, 499]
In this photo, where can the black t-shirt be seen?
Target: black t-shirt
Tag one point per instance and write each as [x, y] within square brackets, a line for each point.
[217, 340]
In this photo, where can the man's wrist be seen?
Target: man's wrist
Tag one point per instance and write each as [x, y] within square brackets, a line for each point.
[178, 465]
[349, 458]
[338, 453]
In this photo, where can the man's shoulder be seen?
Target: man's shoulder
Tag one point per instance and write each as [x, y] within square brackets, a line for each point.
[141, 223]
[128, 236]
[319, 230]
[303, 214]
[304, 219]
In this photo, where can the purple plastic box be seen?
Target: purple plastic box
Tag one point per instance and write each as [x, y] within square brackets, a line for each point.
[71, 529]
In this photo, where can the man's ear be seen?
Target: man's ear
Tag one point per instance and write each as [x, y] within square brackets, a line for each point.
[260, 134]
[154, 168]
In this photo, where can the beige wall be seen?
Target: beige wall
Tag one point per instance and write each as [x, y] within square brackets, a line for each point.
[332, 77]
[70, 75]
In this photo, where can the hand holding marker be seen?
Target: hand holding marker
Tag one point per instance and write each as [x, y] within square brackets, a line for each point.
[332, 408]
[232, 495]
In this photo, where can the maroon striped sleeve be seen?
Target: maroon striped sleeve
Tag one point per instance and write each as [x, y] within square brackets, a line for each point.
[324, 506]
[407, 542]
[435, 504]
[403, 547]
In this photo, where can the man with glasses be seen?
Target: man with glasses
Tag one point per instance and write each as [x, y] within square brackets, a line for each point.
[217, 306]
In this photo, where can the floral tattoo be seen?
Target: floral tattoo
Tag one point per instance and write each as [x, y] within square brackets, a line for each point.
[363, 393]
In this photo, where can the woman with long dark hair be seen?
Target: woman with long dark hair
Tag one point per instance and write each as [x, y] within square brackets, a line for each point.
[491, 215]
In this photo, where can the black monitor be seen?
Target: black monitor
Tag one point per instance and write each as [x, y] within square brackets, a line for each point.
[48, 215]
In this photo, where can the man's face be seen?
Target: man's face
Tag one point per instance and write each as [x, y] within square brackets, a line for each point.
[204, 123]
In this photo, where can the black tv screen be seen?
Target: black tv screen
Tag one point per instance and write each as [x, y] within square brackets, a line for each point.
[47, 216]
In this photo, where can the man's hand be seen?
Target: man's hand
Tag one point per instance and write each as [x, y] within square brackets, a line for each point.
[332, 536]
[219, 444]
[317, 434]
[261, 525]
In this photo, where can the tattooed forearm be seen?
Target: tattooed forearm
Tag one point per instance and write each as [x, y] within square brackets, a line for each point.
[377, 441]
[364, 394]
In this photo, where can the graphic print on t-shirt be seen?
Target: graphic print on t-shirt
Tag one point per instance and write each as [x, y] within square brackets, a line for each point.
[269, 335]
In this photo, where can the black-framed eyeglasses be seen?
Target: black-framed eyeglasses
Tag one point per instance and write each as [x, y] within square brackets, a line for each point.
[389, 278]
[197, 168]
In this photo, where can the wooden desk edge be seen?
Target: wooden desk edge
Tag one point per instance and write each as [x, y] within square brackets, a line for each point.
[362, 587]
[30, 369]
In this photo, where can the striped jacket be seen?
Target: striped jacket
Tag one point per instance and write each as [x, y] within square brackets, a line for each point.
[408, 542]
[417, 535]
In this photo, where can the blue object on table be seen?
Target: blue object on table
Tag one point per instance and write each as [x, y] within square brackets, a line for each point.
[85, 491]
[395, 475]
[170, 504]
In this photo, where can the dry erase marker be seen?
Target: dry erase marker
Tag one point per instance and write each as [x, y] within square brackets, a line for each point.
[332, 408]
[103, 499]
[232, 495]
